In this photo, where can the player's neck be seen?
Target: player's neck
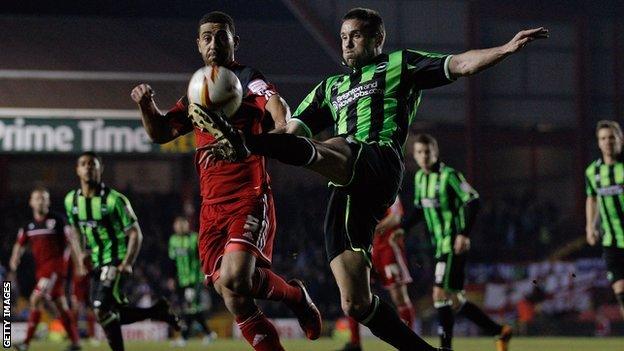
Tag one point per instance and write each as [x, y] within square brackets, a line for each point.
[38, 216]
[89, 188]
[610, 159]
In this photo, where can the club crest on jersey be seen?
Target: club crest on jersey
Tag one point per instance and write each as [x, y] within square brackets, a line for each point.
[50, 223]
[381, 67]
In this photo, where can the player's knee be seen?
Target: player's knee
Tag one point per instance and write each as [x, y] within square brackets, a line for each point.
[355, 308]
[439, 295]
[236, 283]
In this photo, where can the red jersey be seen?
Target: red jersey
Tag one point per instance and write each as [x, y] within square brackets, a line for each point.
[224, 180]
[381, 241]
[47, 240]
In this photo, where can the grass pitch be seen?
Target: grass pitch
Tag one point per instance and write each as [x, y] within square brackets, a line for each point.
[326, 344]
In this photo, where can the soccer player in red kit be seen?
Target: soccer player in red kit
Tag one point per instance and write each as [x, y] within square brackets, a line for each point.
[390, 264]
[48, 236]
[237, 220]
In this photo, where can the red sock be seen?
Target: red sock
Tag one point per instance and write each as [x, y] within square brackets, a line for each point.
[354, 327]
[406, 312]
[33, 321]
[259, 332]
[69, 323]
[90, 324]
[270, 286]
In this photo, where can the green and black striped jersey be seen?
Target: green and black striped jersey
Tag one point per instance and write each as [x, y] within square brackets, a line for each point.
[103, 220]
[606, 183]
[376, 103]
[183, 249]
[442, 195]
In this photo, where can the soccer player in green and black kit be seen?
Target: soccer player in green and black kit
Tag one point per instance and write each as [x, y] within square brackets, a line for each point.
[449, 205]
[605, 197]
[108, 225]
[370, 110]
[184, 251]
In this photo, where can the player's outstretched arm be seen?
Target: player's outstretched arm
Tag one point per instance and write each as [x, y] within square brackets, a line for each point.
[591, 216]
[75, 250]
[280, 112]
[475, 61]
[16, 256]
[154, 122]
[135, 239]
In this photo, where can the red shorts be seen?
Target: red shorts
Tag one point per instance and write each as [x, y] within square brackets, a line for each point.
[221, 224]
[390, 263]
[50, 281]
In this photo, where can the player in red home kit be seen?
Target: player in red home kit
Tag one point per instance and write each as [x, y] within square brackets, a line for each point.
[48, 236]
[237, 220]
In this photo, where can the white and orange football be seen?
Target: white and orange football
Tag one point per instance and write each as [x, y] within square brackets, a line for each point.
[216, 88]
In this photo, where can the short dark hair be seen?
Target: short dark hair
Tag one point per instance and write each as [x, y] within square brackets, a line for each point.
[608, 124]
[426, 139]
[218, 17]
[374, 22]
[91, 154]
[40, 189]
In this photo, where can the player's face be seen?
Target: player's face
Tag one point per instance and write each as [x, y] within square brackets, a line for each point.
[89, 169]
[181, 226]
[40, 201]
[358, 46]
[425, 155]
[216, 43]
[608, 142]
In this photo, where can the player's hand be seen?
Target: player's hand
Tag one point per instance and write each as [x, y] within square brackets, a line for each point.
[124, 268]
[524, 37]
[592, 236]
[396, 235]
[462, 244]
[142, 94]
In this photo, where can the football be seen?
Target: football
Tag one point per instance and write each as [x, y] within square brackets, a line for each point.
[216, 88]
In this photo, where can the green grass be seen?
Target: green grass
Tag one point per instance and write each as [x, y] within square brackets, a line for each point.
[326, 344]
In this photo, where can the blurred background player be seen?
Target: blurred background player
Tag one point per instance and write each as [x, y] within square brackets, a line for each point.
[48, 236]
[370, 110]
[106, 220]
[449, 206]
[237, 219]
[183, 249]
[79, 287]
[604, 207]
[390, 265]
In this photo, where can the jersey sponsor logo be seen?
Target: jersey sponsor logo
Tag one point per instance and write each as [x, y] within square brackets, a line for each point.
[351, 96]
[260, 87]
[381, 67]
[257, 339]
[90, 224]
[430, 203]
[610, 190]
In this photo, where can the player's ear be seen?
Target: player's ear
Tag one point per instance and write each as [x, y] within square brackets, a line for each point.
[236, 42]
[198, 48]
[379, 39]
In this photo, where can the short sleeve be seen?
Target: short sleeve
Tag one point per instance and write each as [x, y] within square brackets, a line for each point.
[314, 112]
[590, 187]
[69, 207]
[417, 194]
[427, 70]
[124, 212]
[177, 117]
[171, 250]
[464, 191]
[261, 90]
[22, 238]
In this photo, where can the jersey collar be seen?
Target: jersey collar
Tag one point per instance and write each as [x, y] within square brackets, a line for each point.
[101, 189]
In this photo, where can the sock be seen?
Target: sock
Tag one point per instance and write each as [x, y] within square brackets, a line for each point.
[129, 315]
[186, 328]
[385, 323]
[112, 328]
[406, 312]
[201, 319]
[446, 319]
[90, 324]
[33, 321]
[354, 327]
[259, 332]
[478, 317]
[69, 323]
[287, 148]
[270, 286]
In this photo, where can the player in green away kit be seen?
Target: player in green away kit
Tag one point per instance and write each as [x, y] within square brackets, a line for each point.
[183, 249]
[449, 205]
[370, 110]
[604, 207]
[108, 225]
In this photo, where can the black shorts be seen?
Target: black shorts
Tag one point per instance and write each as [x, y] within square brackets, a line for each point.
[615, 263]
[190, 298]
[355, 208]
[107, 288]
[450, 272]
